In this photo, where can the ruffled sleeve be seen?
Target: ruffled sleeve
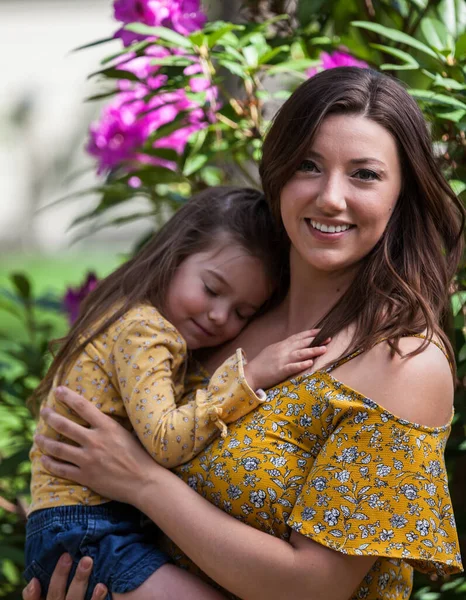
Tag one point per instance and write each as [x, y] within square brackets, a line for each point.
[379, 487]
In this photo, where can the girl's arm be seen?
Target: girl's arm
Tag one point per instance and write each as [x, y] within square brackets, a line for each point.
[148, 359]
[245, 561]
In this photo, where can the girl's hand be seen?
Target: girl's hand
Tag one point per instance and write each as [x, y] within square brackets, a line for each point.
[281, 361]
[57, 588]
[107, 458]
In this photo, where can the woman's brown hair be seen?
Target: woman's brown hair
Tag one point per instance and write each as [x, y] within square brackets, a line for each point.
[402, 285]
[241, 213]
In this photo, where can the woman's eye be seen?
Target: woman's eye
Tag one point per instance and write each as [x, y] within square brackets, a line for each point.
[308, 166]
[366, 175]
[210, 291]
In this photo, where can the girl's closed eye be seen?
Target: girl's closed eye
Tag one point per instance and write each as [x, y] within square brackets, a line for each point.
[210, 291]
[308, 166]
[242, 316]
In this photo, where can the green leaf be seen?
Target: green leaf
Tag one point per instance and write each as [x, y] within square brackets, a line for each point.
[92, 44]
[268, 56]
[436, 34]
[450, 115]
[21, 283]
[212, 176]
[251, 55]
[460, 50]
[398, 36]
[435, 98]
[194, 163]
[448, 83]
[453, 15]
[404, 56]
[219, 34]
[458, 299]
[297, 66]
[163, 33]
[234, 68]
[174, 61]
[458, 187]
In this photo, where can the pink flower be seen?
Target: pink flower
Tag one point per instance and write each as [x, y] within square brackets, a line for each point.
[74, 296]
[183, 16]
[114, 139]
[338, 58]
[127, 123]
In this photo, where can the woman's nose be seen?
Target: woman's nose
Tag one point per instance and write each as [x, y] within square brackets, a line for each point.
[331, 198]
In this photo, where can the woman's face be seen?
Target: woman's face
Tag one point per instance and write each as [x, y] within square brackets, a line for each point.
[336, 206]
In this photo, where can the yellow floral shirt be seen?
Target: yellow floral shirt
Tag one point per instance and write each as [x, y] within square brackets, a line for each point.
[135, 372]
[321, 459]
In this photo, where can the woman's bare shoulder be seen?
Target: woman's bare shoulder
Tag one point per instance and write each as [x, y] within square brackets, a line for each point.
[416, 388]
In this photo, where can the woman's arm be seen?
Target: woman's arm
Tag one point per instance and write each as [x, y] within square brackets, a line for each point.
[244, 560]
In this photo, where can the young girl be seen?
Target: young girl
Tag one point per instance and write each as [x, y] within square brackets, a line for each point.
[195, 285]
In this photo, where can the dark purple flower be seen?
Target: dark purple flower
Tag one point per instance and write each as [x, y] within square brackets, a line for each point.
[74, 296]
[338, 58]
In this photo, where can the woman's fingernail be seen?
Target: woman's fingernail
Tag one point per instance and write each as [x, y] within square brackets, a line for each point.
[100, 590]
[85, 563]
[66, 560]
[59, 393]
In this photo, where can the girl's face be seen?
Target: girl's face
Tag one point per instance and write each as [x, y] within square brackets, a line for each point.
[215, 292]
[336, 206]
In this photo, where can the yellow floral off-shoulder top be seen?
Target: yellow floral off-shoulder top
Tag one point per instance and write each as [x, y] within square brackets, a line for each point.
[321, 459]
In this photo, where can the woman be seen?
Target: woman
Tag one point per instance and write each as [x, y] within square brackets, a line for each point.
[337, 483]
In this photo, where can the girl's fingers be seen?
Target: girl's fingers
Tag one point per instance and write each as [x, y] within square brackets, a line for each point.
[65, 426]
[61, 469]
[80, 406]
[59, 450]
[307, 353]
[303, 335]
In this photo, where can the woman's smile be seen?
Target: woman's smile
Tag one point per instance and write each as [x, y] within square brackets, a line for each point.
[328, 231]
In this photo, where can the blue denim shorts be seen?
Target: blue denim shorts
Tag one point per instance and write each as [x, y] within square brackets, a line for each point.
[119, 539]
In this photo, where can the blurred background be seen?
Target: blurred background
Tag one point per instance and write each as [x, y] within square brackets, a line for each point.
[43, 129]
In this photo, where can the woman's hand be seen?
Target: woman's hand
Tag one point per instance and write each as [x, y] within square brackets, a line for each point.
[57, 588]
[107, 458]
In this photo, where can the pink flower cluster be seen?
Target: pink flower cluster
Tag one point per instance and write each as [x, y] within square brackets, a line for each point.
[74, 296]
[128, 121]
[336, 59]
[183, 16]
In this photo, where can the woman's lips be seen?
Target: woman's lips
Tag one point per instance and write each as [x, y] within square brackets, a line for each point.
[326, 236]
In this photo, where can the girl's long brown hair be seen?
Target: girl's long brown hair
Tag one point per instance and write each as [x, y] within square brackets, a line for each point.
[242, 213]
[402, 285]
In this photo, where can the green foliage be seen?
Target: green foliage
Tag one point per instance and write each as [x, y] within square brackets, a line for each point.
[23, 362]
